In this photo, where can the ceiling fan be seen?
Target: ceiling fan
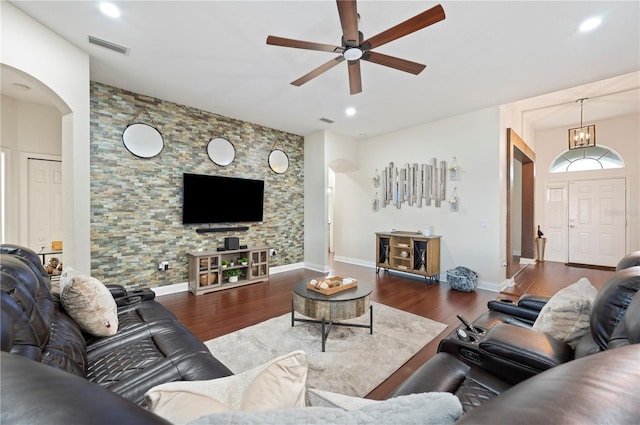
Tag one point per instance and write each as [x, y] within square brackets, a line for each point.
[354, 47]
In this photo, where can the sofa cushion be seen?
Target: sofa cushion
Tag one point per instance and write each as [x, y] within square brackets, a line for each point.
[89, 303]
[278, 384]
[566, 315]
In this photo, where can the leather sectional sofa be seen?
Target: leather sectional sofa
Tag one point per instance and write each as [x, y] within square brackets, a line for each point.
[151, 346]
[51, 373]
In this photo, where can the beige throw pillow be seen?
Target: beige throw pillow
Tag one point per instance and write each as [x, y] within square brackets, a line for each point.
[278, 384]
[566, 315]
[89, 303]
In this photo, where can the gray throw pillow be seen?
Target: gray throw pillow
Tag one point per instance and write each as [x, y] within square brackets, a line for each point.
[566, 315]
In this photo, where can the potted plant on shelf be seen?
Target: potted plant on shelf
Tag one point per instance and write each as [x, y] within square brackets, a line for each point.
[225, 264]
[232, 275]
[244, 261]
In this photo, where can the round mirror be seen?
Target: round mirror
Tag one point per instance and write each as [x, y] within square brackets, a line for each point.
[221, 151]
[142, 140]
[278, 161]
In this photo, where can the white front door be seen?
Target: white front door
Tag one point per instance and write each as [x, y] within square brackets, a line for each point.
[597, 224]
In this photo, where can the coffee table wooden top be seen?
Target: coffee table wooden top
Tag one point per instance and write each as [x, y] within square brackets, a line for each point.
[343, 305]
[362, 290]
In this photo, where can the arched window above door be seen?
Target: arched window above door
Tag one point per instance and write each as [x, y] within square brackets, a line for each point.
[591, 158]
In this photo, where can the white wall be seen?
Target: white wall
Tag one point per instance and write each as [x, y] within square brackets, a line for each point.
[315, 203]
[621, 134]
[474, 140]
[61, 67]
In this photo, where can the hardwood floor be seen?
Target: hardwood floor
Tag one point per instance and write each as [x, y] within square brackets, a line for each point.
[211, 315]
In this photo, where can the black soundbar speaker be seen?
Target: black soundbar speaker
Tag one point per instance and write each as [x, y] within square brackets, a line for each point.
[231, 243]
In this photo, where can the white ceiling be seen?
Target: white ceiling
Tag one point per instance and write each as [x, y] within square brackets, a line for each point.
[212, 55]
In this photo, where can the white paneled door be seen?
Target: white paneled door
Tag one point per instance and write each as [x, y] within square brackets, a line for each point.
[556, 219]
[45, 206]
[597, 223]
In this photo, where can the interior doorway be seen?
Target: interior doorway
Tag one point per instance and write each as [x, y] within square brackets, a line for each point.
[520, 222]
[44, 205]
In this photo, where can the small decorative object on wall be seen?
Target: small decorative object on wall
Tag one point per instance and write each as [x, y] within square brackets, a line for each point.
[375, 203]
[453, 170]
[142, 140]
[453, 200]
[278, 159]
[221, 151]
[376, 179]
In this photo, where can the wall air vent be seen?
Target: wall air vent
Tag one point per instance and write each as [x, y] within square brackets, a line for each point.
[109, 45]
[327, 120]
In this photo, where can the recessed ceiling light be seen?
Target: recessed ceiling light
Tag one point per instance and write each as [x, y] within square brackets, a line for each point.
[590, 24]
[21, 87]
[350, 111]
[110, 9]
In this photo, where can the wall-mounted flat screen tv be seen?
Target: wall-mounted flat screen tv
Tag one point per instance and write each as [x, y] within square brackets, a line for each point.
[215, 199]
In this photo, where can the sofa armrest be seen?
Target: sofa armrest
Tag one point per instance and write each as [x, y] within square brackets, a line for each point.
[526, 308]
[443, 373]
[38, 394]
[117, 290]
[525, 348]
[532, 302]
[135, 296]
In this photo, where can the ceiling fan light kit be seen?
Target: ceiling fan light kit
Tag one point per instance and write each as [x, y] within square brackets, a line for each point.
[355, 48]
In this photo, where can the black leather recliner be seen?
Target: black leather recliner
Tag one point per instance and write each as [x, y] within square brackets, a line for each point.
[151, 346]
[503, 355]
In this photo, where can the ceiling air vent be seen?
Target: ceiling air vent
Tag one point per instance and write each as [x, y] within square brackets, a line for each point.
[109, 45]
[327, 120]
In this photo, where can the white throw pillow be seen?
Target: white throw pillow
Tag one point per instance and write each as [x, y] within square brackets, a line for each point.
[278, 384]
[566, 315]
[89, 303]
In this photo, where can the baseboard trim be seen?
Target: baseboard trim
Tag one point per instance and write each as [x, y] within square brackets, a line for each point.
[355, 261]
[171, 289]
[285, 268]
[317, 267]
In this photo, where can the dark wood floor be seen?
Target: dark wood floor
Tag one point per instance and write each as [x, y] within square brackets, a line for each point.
[211, 315]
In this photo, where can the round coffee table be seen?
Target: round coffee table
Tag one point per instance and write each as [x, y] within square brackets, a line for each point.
[329, 309]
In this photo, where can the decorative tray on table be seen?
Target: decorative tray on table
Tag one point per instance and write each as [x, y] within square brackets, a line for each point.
[331, 285]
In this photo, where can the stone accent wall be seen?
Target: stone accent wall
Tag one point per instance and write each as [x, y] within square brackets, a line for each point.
[136, 204]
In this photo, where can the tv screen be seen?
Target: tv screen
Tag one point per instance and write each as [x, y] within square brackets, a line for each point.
[216, 199]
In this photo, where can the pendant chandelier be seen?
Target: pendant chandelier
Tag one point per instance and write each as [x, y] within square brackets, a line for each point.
[583, 136]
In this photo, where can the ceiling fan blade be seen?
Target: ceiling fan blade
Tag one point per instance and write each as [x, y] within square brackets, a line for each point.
[393, 62]
[319, 70]
[347, 9]
[418, 22]
[299, 44]
[355, 79]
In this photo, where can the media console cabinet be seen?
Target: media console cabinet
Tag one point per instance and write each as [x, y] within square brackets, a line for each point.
[409, 252]
[208, 270]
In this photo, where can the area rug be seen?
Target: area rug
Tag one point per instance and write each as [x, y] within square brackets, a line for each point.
[354, 362]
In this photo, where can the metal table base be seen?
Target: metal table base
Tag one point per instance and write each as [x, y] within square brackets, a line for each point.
[326, 325]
